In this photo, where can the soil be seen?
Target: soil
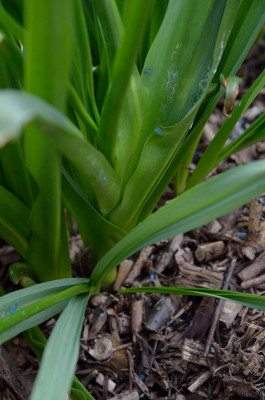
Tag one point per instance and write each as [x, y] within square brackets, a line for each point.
[152, 346]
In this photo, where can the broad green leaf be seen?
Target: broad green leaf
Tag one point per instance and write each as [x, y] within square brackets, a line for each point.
[17, 109]
[61, 352]
[157, 153]
[28, 307]
[179, 64]
[188, 211]
[177, 74]
[246, 299]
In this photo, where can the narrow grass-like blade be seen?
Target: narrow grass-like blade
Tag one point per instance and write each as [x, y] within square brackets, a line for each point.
[248, 22]
[254, 134]
[15, 175]
[211, 154]
[246, 299]
[10, 25]
[14, 221]
[61, 352]
[188, 211]
[82, 58]
[11, 62]
[122, 70]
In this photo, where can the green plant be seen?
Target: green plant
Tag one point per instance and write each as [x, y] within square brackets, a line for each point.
[101, 104]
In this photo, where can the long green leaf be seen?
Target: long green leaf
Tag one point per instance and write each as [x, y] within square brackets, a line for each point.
[17, 109]
[61, 352]
[83, 60]
[122, 70]
[46, 75]
[195, 207]
[246, 299]
[131, 114]
[28, 307]
[37, 342]
[177, 73]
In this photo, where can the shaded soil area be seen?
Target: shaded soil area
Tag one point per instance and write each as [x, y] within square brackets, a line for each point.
[152, 346]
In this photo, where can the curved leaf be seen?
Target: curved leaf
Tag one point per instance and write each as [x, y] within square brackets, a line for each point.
[246, 299]
[28, 307]
[193, 208]
[17, 109]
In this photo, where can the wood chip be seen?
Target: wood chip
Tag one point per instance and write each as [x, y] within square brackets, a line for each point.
[202, 319]
[160, 313]
[255, 210]
[164, 258]
[229, 313]
[193, 276]
[11, 376]
[209, 251]
[199, 381]
[254, 269]
[253, 282]
[110, 350]
[194, 352]
[123, 271]
[137, 314]
[100, 379]
[136, 269]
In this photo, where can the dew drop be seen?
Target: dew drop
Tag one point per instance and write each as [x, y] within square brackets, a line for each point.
[13, 309]
[102, 176]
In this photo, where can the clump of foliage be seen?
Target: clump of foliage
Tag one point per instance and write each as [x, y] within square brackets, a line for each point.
[101, 104]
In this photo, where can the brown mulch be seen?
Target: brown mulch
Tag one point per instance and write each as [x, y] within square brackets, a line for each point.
[152, 346]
